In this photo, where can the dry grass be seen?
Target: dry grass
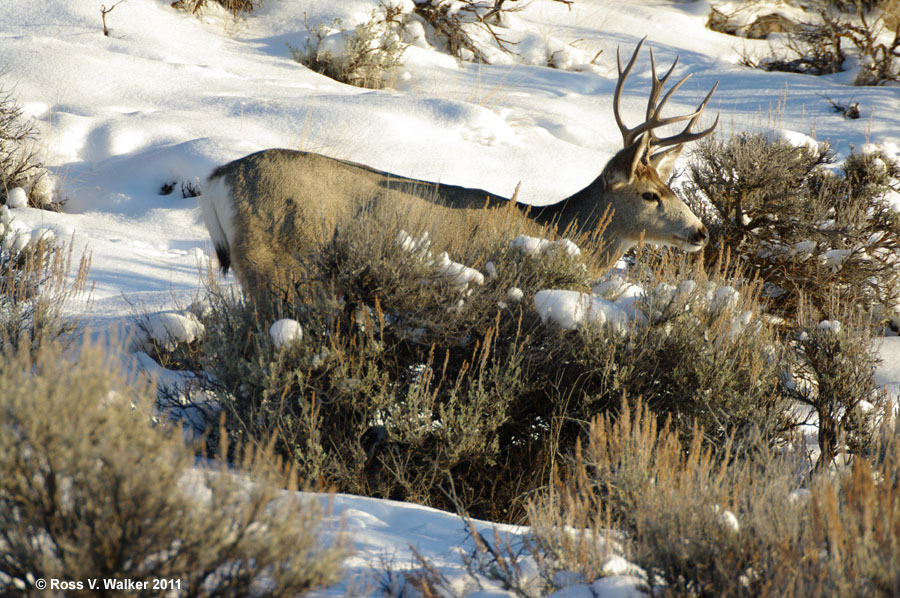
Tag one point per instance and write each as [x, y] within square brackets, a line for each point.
[724, 521]
[36, 282]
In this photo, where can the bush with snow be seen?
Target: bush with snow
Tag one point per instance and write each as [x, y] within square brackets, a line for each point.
[36, 282]
[237, 8]
[172, 338]
[832, 377]
[23, 178]
[810, 231]
[836, 36]
[492, 33]
[366, 56]
[371, 54]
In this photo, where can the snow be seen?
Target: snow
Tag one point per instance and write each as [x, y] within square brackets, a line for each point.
[533, 246]
[286, 332]
[167, 97]
[168, 329]
[17, 198]
[569, 309]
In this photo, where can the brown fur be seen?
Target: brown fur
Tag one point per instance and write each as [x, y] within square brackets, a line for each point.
[288, 202]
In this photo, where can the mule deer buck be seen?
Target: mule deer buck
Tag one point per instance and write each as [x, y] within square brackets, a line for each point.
[260, 209]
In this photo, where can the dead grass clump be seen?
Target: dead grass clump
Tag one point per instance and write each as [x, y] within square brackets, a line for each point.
[809, 233]
[35, 286]
[90, 490]
[707, 522]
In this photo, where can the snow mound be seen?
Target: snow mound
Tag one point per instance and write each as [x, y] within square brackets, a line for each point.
[570, 309]
[534, 246]
[166, 330]
[794, 138]
[286, 332]
[17, 198]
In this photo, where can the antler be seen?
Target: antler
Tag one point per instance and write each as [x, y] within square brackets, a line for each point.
[654, 109]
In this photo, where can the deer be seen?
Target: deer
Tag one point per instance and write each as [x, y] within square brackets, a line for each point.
[261, 210]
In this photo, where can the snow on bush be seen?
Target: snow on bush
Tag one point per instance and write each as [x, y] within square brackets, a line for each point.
[617, 302]
[17, 198]
[794, 138]
[286, 332]
[166, 330]
[570, 309]
[457, 274]
[534, 246]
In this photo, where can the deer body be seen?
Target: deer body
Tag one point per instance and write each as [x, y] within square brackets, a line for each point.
[266, 208]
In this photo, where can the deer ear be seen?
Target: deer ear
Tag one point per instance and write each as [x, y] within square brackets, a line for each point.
[664, 162]
[621, 169]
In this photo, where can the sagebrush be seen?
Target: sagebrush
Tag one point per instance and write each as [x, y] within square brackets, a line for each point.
[367, 57]
[36, 284]
[837, 31]
[90, 489]
[817, 236]
[237, 8]
[20, 160]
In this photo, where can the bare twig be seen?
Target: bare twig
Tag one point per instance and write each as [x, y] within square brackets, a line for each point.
[103, 11]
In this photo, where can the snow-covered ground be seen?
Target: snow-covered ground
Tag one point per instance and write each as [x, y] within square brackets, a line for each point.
[166, 97]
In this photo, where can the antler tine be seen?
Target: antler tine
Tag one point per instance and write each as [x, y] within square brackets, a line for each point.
[654, 109]
[657, 85]
[628, 135]
[686, 135]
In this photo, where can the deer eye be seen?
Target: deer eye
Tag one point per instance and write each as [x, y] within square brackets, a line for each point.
[649, 196]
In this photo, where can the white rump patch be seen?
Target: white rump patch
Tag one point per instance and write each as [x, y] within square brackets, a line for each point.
[217, 208]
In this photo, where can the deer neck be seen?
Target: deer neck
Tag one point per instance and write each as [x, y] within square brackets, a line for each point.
[581, 212]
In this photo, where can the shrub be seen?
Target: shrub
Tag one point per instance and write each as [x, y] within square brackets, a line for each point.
[403, 379]
[237, 8]
[809, 233]
[366, 57]
[822, 46]
[89, 490]
[34, 288]
[704, 522]
[20, 165]
[461, 26]
[466, 28]
[471, 30]
[833, 376]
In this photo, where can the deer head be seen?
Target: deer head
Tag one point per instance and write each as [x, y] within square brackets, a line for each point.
[634, 182]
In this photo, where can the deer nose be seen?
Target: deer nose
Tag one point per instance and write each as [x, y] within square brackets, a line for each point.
[701, 236]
